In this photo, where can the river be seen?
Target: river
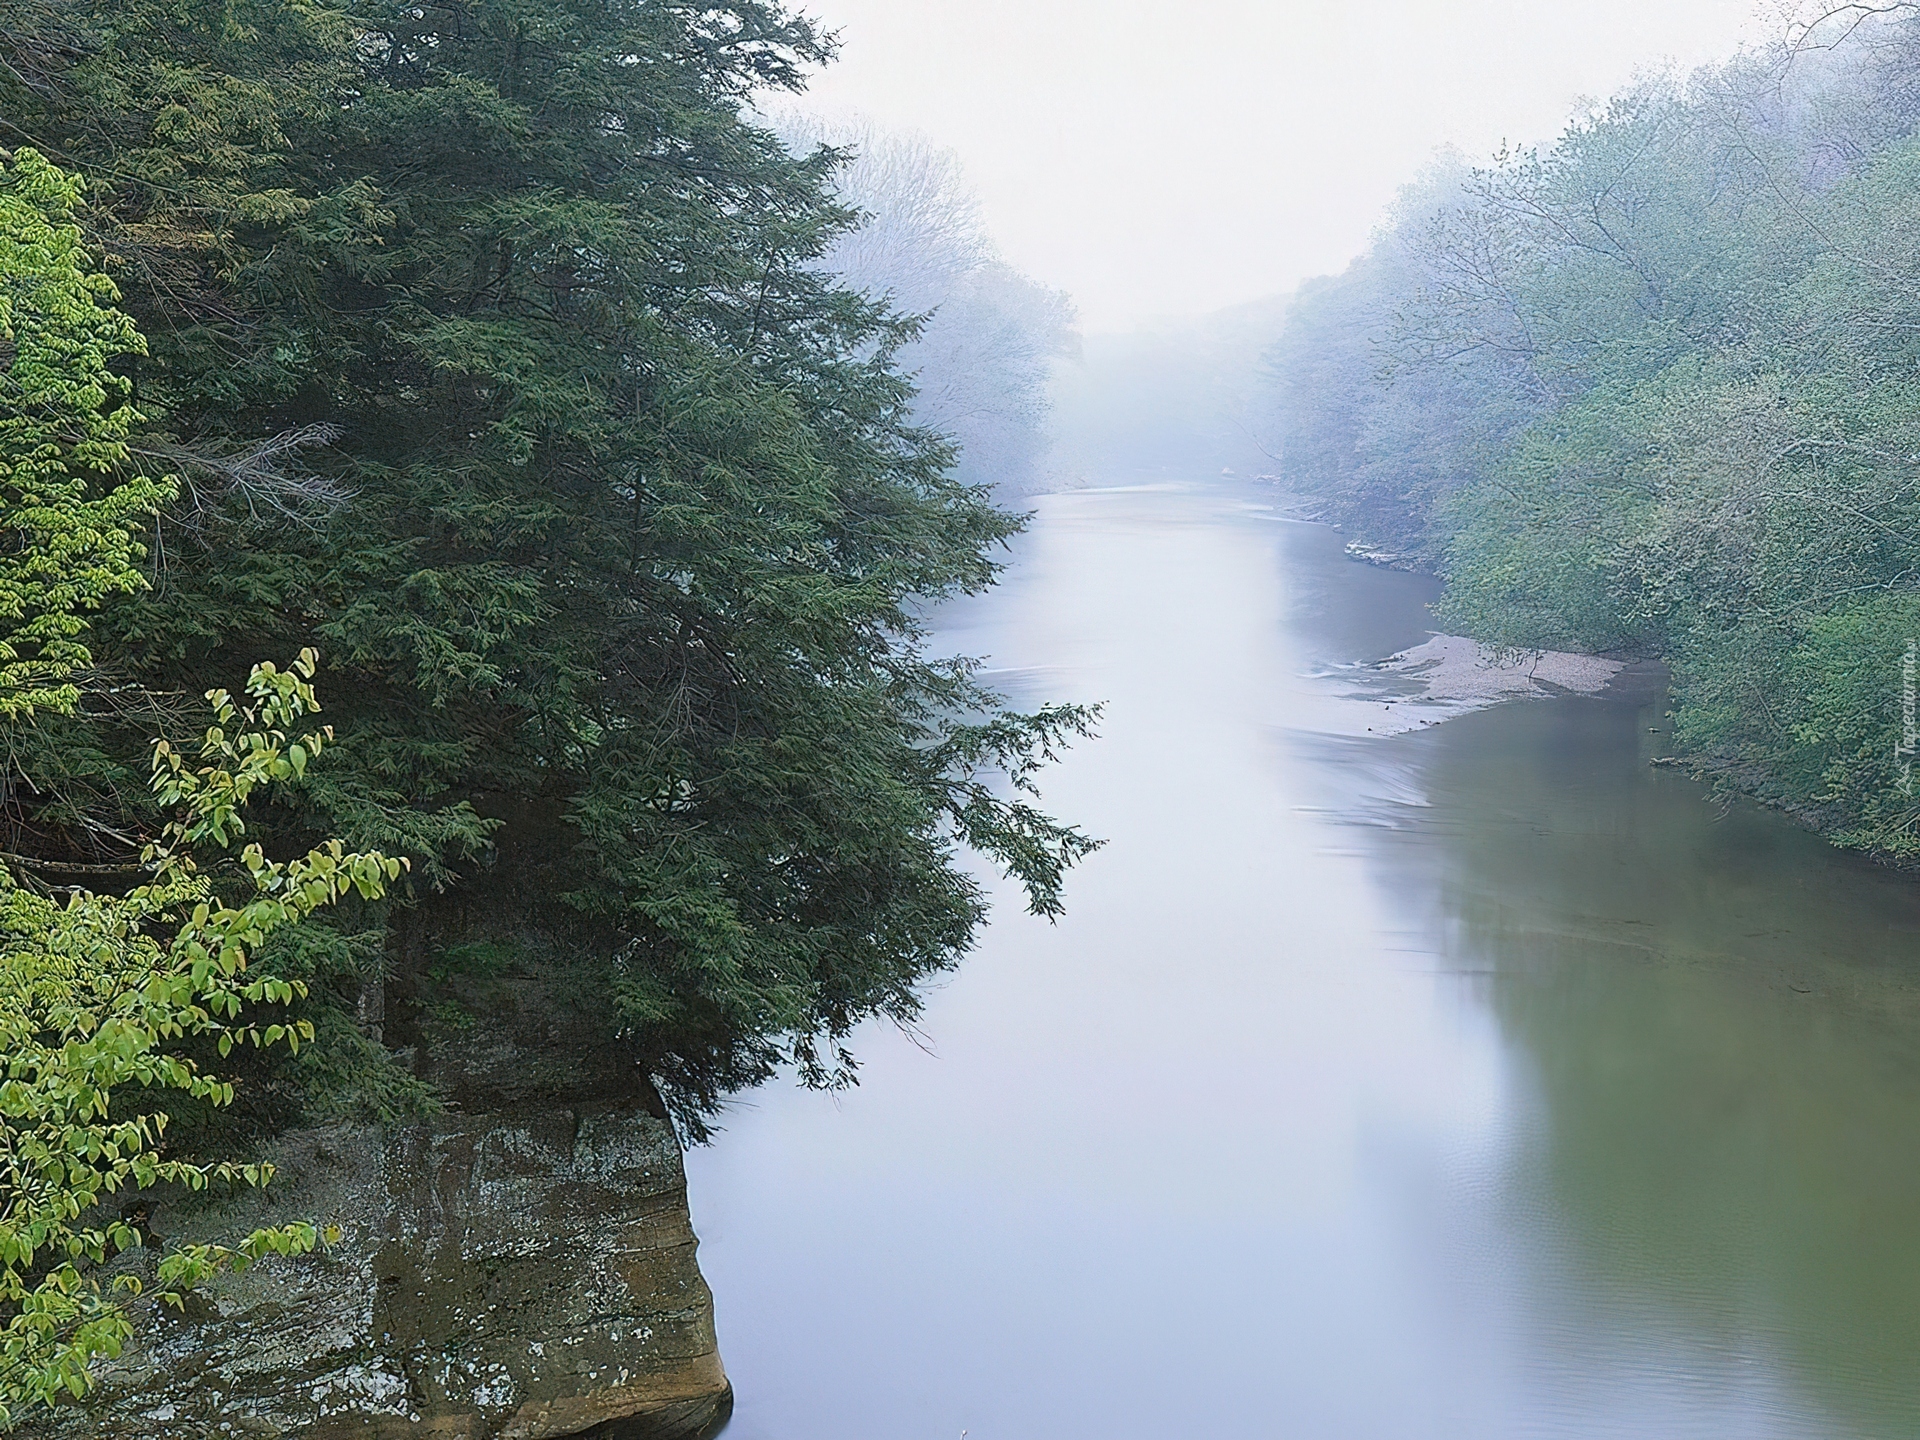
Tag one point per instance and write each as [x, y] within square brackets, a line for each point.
[1478, 1081]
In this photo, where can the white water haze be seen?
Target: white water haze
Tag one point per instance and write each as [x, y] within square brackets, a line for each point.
[1154, 159]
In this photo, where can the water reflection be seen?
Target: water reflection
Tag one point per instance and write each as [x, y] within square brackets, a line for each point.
[1718, 1022]
[1474, 1082]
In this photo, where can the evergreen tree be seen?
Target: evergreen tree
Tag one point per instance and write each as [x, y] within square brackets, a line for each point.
[487, 338]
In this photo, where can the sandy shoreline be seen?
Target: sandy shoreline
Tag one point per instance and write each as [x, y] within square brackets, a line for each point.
[1452, 668]
[1451, 675]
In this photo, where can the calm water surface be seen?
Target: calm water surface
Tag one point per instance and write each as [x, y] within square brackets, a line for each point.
[1480, 1081]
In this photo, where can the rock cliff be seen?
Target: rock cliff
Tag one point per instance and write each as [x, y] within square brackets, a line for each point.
[512, 1274]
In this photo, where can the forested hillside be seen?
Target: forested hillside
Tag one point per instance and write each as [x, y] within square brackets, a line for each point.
[1653, 389]
[488, 349]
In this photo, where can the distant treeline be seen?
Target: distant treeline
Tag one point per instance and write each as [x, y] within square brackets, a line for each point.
[1655, 389]
[987, 336]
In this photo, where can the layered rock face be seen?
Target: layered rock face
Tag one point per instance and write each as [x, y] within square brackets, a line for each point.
[514, 1274]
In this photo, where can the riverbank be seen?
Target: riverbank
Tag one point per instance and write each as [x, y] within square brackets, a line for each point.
[1450, 675]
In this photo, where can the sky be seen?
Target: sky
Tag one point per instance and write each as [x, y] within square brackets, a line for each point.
[1171, 157]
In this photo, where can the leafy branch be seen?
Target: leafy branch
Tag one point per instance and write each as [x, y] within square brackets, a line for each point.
[96, 994]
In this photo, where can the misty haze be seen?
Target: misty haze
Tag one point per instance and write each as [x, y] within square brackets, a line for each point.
[858, 719]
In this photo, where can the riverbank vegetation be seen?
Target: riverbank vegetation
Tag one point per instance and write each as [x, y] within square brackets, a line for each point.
[1652, 389]
[486, 347]
[105, 996]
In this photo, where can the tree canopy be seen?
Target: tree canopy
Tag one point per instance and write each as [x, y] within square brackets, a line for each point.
[67, 508]
[489, 341]
[1650, 389]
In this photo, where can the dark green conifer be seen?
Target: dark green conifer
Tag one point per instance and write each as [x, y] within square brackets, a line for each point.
[484, 336]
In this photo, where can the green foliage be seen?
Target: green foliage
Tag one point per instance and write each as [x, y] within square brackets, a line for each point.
[631, 526]
[98, 993]
[1653, 389]
[1817, 721]
[64, 421]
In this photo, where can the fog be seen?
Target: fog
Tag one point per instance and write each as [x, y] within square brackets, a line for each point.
[1161, 160]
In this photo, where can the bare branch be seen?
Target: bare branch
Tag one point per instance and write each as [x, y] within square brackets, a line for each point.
[258, 475]
[1847, 19]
